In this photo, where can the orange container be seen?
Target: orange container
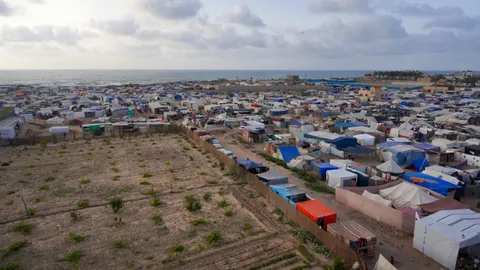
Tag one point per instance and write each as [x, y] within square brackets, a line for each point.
[317, 212]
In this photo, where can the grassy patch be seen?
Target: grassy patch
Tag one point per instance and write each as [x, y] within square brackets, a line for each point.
[318, 187]
[85, 181]
[9, 202]
[274, 261]
[305, 253]
[23, 227]
[198, 221]
[77, 238]
[145, 183]
[62, 192]
[27, 174]
[213, 237]
[115, 169]
[83, 204]
[74, 256]
[178, 248]
[171, 170]
[156, 202]
[10, 266]
[10, 192]
[115, 177]
[116, 204]
[223, 204]
[212, 182]
[228, 213]
[207, 196]
[43, 187]
[157, 219]
[247, 227]
[15, 247]
[119, 244]
[31, 211]
[146, 175]
[202, 173]
[192, 203]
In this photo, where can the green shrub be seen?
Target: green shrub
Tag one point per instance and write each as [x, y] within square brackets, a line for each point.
[23, 227]
[247, 227]
[85, 181]
[116, 204]
[223, 204]
[144, 183]
[207, 196]
[10, 266]
[115, 169]
[31, 211]
[213, 237]
[9, 202]
[228, 213]
[177, 248]
[146, 175]
[119, 244]
[156, 202]
[338, 264]
[157, 219]
[198, 221]
[305, 253]
[115, 177]
[83, 204]
[43, 187]
[15, 247]
[192, 203]
[212, 182]
[202, 173]
[74, 256]
[76, 238]
[171, 170]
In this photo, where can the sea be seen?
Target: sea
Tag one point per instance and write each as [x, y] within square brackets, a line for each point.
[119, 77]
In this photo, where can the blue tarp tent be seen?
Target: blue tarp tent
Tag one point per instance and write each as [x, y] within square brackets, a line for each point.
[289, 152]
[350, 124]
[433, 183]
[419, 164]
[427, 147]
[404, 154]
[359, 150]
[178, 97]
[290, 193]
[322, 168]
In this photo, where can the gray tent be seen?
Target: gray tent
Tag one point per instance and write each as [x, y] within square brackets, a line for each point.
[272, 177]
[390, 167]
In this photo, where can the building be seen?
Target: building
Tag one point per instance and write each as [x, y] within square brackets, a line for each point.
[375, 93]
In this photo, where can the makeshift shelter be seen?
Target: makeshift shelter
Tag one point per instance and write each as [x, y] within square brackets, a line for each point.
[427, 147]
[445, 144]
[433, 183]
[443, 235]
[376, 198]
[272, 177]
[365, 139]
[341, 178]
[363, 179]
[404, 154]
[317, 212]
[288, 153]
[300, 162]
[290, 193]
[355, 236]
[419, 164]
[442, 204]
[390, 167]
[335, 139]
[406, 195]
[321, 169]
[251, 166]
[346, 163]
[383, 264]
[55, 121]
[473, 150]
[443, 176]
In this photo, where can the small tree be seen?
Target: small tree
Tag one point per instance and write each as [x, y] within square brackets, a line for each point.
[116, 204]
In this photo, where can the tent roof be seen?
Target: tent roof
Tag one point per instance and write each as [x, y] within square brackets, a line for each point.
[390, 167]
[364, 136]
[443, 204]
[406, 195]
[272, 175]
[341, 173]
[289, 152]
[461, 226]
[427, 147]
[433, 183]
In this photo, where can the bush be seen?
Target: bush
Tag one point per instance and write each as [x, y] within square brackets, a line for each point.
[198, 221]
[145, 183]
[116, 204]
[115, 177]
[207, 196]
[115, 169]
[119, 244]
[83, 204]
[23, 227]
[43, 187]
[157, 219]
[146, 175]
[247, 227]
[202, 173]
[305, 253]
[212, 182]
[31, 211]
[274, 160]
[338, 264]
[228, 213]
[49, 179]
[74, 256]
[76, 238]
[213, 237]
[192, 203]
[85, 181]
[9, 202]
[177, 248]
[223, 204]
[11, 266]
[156, 202]
[15, 247]
[43, 144]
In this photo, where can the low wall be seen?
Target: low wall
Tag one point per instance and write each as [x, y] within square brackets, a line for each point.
[375, 210]
[339, 249]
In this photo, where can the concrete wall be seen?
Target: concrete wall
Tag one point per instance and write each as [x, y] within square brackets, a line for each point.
[377, 211]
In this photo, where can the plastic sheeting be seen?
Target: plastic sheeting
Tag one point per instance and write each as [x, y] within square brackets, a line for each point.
[377, 198]
[390, 167]
[365, 139]
[406, 195]
[337, 178]
[383, 264]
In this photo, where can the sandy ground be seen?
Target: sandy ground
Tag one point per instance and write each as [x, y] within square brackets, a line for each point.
[53, 180]
[391, 242]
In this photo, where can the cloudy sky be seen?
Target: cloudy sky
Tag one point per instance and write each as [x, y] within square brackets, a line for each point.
[240, 34]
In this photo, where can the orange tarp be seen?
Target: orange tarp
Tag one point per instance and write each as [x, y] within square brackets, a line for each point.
[317, 212]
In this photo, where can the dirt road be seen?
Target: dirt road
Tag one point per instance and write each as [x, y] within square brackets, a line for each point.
[390, 241]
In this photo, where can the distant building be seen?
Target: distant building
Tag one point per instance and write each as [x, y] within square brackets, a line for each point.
[424, 80]
[373, 94]
[292, 79]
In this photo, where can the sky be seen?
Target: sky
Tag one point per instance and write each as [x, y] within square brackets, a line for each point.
[240, 34]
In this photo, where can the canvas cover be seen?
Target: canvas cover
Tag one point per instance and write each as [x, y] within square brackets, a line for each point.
[337, 178]
[406, 195]
[390, 167]
[440, 236]
[365, 139]
[273, 177]
[377, 198]
[443, 176]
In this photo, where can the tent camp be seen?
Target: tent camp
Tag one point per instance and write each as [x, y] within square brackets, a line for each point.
[443, 235]
[445, 144]
[365, 139]
[341, 178]
[404, 154]
[406, 195]
[55, 121]
[272, 177]
[321, 169]
[433, 183]
[376, 197]
[288, 153]
[390, 167]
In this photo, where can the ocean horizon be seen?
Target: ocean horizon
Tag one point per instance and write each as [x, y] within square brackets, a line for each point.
[71, 77]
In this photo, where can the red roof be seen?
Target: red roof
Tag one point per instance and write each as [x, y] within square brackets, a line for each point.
[316, 211]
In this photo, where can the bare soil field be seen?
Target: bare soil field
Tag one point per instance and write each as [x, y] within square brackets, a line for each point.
[177, 208]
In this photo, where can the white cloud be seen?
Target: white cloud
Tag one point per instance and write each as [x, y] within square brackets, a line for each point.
[60, 35]
[172, 9]
[117, 27]
[5, 8]
[338, 6]
[242, 15]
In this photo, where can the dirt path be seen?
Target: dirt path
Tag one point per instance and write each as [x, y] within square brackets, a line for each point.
[390, 241]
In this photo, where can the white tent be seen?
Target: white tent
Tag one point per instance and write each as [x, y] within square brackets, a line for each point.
[300, 161]
[442, 176]
[472, 141]
[55, 121]
[441, 236]
[383, 264]
[376, 197]
[337, 178]
[406, 195]
[365, 139]
[390, 167]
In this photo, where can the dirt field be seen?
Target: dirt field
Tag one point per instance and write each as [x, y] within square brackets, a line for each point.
[391, 242]
[67, 189]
